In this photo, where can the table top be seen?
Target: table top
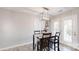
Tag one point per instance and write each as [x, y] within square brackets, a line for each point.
[45, 37]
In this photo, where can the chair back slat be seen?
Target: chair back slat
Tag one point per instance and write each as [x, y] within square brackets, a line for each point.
[46, 35]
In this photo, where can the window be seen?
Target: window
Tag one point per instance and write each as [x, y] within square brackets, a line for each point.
[56, 26]
[68, 30]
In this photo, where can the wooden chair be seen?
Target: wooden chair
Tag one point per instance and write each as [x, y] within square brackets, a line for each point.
[34, 38]
[37, 32]
[44, 42]
[46, 35]
[56, 41]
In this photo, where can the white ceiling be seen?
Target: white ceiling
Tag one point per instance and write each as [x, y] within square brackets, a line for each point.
[52, 10]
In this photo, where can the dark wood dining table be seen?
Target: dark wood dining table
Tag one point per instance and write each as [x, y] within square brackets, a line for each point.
[39, 38]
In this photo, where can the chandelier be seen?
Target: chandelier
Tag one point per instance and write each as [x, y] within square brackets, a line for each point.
[45, 18]
[45, 15]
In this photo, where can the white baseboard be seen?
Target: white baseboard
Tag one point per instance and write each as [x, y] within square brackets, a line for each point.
[74, 47]
[16, 46]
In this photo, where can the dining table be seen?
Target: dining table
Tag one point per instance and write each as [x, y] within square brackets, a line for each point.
[38, 38]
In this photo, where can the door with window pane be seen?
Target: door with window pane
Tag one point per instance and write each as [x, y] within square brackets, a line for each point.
[68, 30]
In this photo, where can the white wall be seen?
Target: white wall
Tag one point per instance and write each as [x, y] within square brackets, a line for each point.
[16, 27]
[74, 15]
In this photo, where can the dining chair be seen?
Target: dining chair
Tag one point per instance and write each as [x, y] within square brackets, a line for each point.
[45, 41]
[36, 33]
[56, 41]
[46, 35]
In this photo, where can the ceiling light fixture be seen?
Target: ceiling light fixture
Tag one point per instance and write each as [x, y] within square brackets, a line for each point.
[45, 18]
[45, 15]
